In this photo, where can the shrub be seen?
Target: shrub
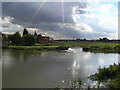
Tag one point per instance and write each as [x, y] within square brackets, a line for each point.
[110, 77]
[28, 40]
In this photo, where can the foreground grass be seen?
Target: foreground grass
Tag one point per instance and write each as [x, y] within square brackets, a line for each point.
[109, 77]
[97, 47]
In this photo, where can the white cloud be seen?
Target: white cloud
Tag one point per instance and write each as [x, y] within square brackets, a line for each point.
[8, 27]
[99, 18]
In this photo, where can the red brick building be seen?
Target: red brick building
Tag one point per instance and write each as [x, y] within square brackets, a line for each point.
[44, 39]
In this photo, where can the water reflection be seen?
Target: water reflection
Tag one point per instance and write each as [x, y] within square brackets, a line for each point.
[87, 63]
[32, 69]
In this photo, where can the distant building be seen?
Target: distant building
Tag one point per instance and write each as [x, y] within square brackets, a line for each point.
[43, 39]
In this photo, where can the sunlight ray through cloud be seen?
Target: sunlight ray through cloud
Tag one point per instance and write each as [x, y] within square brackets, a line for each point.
[63, 11]
[37, 10]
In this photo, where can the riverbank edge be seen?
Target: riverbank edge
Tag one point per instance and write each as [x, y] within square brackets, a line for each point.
[95, 47]
[56, 48]
[41, 48]
[101, 50]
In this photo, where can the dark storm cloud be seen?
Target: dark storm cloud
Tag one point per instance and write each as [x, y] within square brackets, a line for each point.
[48, 19]
[50, 12]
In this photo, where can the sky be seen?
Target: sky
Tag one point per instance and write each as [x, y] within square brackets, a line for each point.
[62, 20]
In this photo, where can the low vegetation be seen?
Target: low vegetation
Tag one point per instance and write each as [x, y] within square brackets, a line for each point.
[109, 77]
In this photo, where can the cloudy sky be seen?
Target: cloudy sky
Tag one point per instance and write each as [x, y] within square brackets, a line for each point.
[87, 19]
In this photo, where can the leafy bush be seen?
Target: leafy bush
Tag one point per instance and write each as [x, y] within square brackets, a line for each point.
[28, 40]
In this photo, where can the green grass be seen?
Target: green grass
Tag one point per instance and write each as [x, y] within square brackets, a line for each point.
[103, 47]
[47, 48]
[97, 47]
[33, 47]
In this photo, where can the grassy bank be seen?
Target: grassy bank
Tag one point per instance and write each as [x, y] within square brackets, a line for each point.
[37, 47]
[102, 47]
[98, 47]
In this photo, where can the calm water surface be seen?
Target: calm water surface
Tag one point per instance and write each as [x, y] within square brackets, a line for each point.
[35, 69]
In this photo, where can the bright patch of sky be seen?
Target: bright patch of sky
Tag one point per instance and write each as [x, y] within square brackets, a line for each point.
[100, 16]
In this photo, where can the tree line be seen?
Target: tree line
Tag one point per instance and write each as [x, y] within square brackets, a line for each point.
[25, 40]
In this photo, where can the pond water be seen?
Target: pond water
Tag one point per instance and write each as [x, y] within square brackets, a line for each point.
[35, 69]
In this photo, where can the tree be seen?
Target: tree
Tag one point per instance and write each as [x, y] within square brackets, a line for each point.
[35, 33]
[104, 39]
[15, 38]
[25, 31]
[28, 40]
